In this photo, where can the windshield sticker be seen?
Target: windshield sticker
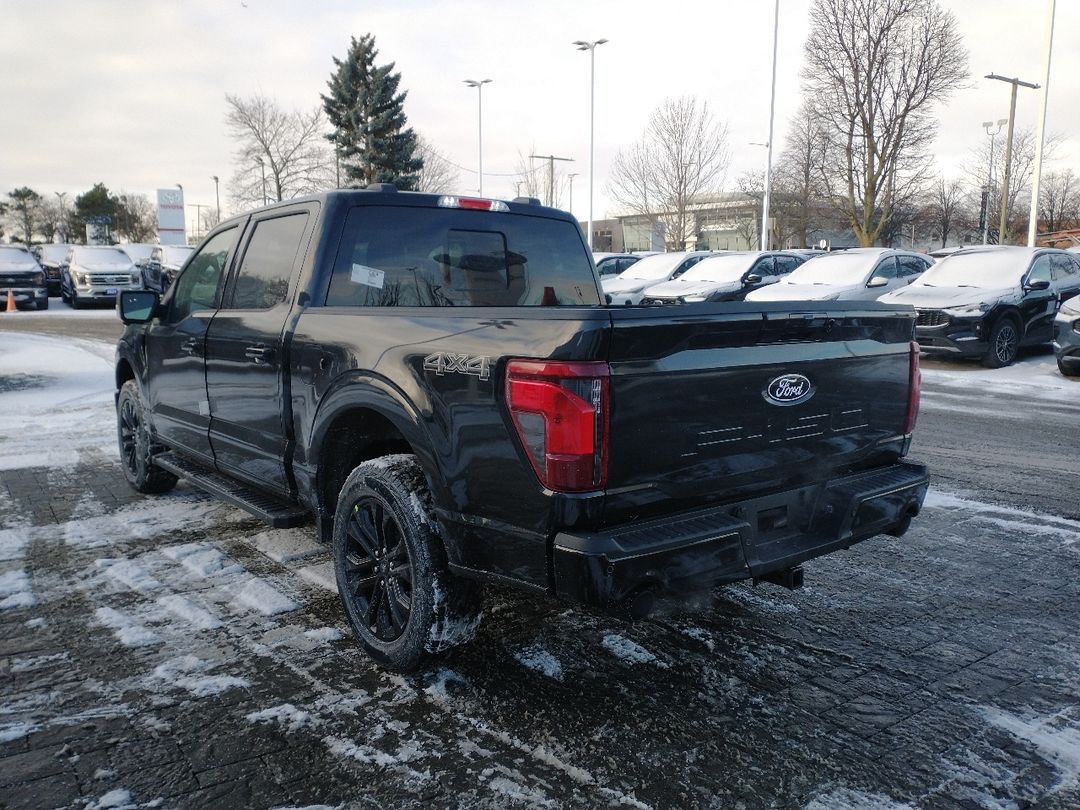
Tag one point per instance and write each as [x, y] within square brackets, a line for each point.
[368, 276]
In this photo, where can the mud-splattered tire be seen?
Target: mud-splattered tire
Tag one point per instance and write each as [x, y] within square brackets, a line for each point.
[135, 445]
[402, 602]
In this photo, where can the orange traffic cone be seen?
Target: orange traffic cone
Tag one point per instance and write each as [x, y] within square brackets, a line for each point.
[11, 301]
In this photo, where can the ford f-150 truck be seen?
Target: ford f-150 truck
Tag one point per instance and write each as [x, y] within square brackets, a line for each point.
[438, 383]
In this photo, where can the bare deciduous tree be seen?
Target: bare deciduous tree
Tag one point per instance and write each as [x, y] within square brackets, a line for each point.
[681, 158]
[1059, 201]
[438, 174]
[136, 217]
[874, 69]
[800, 192]
[945, 209]
[531, 181]
[290, 145]
[1021, 169]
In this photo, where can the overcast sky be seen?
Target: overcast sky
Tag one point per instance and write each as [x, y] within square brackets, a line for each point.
[132, 94]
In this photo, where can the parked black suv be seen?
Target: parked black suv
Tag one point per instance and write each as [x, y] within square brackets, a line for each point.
[23, 278]
[52, 259]
[437, 382]
[987, 302]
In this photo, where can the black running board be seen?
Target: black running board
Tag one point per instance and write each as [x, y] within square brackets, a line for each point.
[277, 513]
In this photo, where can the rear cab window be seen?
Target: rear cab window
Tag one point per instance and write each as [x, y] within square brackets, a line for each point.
[434, 257]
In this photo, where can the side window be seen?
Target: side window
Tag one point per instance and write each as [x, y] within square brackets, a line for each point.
[1062, 267]
[885, 268]
[687, 264]
[197, 286]
[763, 267]
[626, 264]
[269, 259]
[1040, 269]
[911, 266]
[785, 264]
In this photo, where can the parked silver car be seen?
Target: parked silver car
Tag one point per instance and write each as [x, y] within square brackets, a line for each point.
[724, 277]
[860, 274]
[629, 286]
[96, 274]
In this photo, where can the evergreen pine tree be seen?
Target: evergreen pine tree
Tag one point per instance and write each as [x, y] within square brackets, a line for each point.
[368, 116]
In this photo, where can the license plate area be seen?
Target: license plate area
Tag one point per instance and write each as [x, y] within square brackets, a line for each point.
[772, 520]
[110, 290]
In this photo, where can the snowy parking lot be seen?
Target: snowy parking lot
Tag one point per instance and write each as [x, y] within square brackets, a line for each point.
[173, 652]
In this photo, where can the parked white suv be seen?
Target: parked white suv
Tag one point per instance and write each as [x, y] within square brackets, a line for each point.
[629, 286]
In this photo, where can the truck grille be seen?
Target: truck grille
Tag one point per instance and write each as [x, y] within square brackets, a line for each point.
[931, 317]
[110, 278]
[16, 281]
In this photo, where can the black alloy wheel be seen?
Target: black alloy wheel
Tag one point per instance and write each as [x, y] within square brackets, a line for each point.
[1004, 344]
[378, 568]
[136, 446]
[393, 579]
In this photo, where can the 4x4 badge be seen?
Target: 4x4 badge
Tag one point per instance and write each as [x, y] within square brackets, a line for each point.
[788, 389]
[447, 363]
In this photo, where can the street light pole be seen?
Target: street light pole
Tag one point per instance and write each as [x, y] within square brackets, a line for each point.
[582, 45]
[990, 174]
[184, 213]
[217, 197]
[1008, 148]
[1033, 214]
[262, 167]
[551, 174]
[768, 159]
[571, 177]
[479, 85]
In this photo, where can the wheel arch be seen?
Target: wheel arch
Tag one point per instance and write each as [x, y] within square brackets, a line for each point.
[358, 421]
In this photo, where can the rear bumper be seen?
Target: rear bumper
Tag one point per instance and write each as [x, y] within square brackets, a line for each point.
[694, 551]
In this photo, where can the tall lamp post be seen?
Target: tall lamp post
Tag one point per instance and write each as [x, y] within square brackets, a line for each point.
[571, 177]
[990, 173]
[1033, 215]
[479, 85]
[583, 45]
[182, 209]
[262, 168]
[768, 158]
[1008, 148]
[217, 197]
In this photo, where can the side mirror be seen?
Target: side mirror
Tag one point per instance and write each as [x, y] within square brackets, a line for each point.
[877, 281]
[753, 278]
[137, 306]
[1038, 284]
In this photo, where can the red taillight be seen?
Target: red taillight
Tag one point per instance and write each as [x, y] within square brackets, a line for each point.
[914, 389]
[560, 411]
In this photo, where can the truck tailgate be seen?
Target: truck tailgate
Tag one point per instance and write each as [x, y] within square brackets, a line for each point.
[701, 412]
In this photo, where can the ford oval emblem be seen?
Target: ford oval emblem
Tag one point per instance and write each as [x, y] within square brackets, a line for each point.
[788, 389]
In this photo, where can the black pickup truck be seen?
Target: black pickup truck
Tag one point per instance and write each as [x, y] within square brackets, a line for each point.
[438, 383]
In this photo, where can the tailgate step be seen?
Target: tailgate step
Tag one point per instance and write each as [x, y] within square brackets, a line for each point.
[274, 511]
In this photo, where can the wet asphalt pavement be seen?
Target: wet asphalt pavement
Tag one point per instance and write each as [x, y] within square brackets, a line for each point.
[172, 648]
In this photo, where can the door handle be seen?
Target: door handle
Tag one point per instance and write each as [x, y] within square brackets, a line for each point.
[258, 354]
[191, 346]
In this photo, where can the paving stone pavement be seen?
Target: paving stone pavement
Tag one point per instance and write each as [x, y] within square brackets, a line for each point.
[172, 652]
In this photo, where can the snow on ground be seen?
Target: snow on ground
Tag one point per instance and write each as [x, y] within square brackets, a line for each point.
[1032, 376]
[72, 382]
[58, 309]
[210, 604]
